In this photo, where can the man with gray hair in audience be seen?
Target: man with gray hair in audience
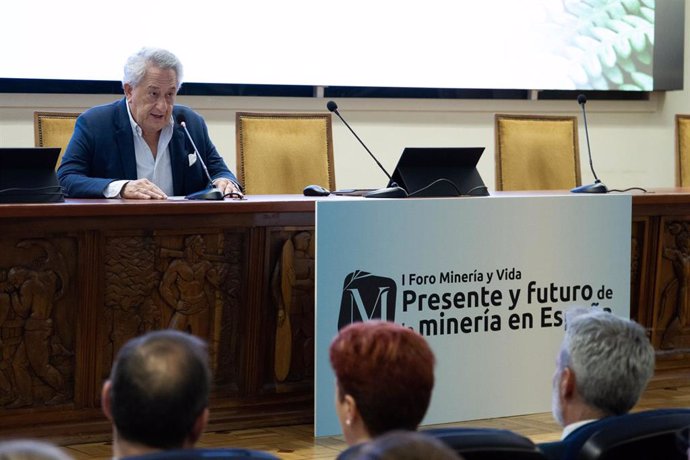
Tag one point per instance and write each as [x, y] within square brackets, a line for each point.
[603, 366]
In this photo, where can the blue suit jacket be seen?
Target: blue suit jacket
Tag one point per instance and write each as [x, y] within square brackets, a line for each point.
[102, 150]
[569, 448]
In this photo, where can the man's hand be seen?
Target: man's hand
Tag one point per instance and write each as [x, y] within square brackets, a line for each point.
[227, 186]
[142, 189]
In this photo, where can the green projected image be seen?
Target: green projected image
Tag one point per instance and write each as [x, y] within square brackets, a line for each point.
[609, 43]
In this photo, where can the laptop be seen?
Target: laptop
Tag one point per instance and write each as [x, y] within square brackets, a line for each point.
[440, 171]
[27, 175]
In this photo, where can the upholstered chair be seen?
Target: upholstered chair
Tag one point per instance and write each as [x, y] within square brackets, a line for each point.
[281, 153]
[536, 152]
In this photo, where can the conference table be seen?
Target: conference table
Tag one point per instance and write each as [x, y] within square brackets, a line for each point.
[80, 278]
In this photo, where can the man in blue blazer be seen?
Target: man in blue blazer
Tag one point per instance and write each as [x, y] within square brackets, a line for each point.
[137, 147]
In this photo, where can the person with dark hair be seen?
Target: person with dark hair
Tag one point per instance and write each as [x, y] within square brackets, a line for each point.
[603, 366]
[405, 445]
[157, 394]
[384, 378]
[136, 147]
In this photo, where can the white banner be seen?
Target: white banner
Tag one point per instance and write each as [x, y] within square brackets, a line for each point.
[485, 280]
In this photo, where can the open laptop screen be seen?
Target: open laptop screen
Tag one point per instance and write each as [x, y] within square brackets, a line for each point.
[27, 175]
[440, 171]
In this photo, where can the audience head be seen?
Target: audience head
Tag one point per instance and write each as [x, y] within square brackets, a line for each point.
[385, 375]
[28, 449]
[405, 445]
[157, 395]
[603, 366]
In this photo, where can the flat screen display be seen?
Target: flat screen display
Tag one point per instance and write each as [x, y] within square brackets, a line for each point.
[491, 44]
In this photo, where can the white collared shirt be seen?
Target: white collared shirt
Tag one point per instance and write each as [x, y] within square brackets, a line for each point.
[574, 426]
[158, 170]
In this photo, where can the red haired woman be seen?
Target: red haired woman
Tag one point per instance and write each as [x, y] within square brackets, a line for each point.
[384, 378]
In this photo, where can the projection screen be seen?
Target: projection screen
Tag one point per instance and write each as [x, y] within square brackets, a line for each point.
[492, 44]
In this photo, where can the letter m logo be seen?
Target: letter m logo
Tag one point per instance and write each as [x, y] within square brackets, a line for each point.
[366, 297]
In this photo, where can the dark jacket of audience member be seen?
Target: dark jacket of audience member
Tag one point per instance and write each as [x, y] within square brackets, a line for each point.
[385, 375]
[157, 394]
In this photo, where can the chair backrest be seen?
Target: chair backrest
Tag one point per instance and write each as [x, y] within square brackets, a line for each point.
[606, 438]
[281, 153]
[682, 150]
[536, 152]
[638, 436]
[487, 443]
[54, 129]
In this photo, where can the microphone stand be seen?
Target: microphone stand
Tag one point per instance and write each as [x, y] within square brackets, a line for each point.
[393, 190]
[597, 186]
[210, 193]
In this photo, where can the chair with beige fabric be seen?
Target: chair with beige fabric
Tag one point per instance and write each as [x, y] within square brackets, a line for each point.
[281, 153]
[536, 152]
[682, 150]
[54, 129]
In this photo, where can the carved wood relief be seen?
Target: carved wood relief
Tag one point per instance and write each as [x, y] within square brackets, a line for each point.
[228, 339]
[181, 281]
[292, 301]
[77, 281]
[671, 329]
[37, 322]
[131, 303]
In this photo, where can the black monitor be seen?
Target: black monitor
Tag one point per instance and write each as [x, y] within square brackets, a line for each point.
[440, 171]
[27, 175]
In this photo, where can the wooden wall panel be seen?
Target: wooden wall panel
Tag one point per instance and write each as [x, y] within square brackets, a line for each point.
[80, 279]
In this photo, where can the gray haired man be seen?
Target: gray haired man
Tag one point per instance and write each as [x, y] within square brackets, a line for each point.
[603, 366]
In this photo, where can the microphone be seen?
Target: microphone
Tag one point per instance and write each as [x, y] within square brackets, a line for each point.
[597, 186]
[393, 190]
[211, 192]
